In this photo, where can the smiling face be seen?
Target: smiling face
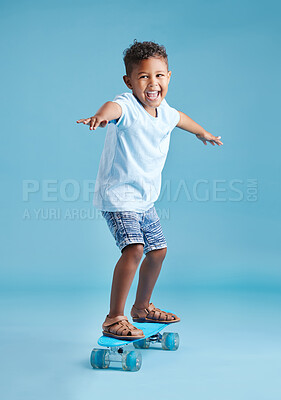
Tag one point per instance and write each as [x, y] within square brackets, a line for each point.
[149, 82]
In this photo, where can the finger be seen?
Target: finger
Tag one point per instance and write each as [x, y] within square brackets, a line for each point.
[218, 142]
[92, 123]
[96, 124]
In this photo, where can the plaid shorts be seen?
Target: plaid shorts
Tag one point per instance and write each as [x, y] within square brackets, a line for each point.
[128, 227]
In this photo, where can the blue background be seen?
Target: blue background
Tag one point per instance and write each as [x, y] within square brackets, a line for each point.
[61, 60]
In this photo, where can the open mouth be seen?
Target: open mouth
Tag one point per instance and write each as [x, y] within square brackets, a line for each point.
[152, 95]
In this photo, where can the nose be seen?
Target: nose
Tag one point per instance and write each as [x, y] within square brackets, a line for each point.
[153, 82]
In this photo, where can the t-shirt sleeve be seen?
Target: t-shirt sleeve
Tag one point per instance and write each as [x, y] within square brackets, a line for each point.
[129, 112]
[175, 117]
[172, 115]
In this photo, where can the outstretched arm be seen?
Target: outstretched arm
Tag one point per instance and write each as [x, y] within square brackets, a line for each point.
[108, 111]
[187, 124]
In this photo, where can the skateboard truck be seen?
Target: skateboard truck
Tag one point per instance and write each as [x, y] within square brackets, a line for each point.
[102, 358]
[169, 341]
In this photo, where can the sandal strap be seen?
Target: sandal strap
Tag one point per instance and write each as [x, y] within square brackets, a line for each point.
[159, 315]
[123, 328]
[154, 313]
[120, 326]
[111, 321]
[151, 307]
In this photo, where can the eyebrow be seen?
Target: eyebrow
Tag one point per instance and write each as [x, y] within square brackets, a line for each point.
[147, 72]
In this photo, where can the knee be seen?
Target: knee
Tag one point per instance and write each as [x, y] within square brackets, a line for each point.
[134, 251]
[157, 255]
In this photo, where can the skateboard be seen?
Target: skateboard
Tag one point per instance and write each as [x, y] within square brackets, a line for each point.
[132, 360]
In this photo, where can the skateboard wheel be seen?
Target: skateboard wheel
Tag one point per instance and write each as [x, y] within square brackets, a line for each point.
[142, 344]
[170, 341]
[131, 360]
[100, 358]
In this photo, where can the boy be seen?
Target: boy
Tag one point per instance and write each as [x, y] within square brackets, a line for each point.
[129, 181]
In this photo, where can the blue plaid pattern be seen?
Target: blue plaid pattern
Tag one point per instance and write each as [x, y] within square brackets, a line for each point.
[128, 227]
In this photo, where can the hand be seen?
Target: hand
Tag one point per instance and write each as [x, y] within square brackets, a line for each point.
[94, 121]
[208, 137]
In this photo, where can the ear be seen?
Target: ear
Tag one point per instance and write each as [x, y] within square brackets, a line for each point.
[127, 81]
[169, 75]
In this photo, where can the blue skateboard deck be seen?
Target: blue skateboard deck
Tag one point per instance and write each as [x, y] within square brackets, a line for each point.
[148, 328]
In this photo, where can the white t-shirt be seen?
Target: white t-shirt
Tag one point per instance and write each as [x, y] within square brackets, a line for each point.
[134, 154]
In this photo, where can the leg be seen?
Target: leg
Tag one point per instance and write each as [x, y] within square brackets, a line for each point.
[148, 275]
[123, 277]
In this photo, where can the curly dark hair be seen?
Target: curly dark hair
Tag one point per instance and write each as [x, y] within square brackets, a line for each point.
[139, 51]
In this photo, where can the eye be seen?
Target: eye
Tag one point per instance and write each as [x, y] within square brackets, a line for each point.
[143, 76]
[160, 74]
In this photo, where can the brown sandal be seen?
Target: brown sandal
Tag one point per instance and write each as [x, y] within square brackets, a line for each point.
[120, 328]
[153, 314]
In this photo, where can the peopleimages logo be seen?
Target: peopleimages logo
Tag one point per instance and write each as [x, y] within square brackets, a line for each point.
[54, 196]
